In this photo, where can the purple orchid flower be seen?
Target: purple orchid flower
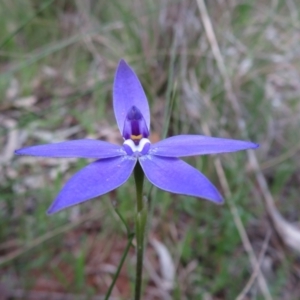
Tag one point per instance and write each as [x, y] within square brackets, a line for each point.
[160, 161]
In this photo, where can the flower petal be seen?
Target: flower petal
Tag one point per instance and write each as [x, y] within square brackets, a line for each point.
[128, 92]
[175, 176]
[94, 180]
[188, 145]
[77, 148]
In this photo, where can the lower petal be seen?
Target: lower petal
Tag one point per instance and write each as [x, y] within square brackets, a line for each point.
[96, 179]
[176, 176]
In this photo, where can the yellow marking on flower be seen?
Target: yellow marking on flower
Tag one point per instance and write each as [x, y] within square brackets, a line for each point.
[136, 137]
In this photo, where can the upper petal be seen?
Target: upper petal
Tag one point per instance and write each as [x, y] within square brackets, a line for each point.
[94, 180]
[188, 145]
[174, 175]
[128, 92]
[77, 148]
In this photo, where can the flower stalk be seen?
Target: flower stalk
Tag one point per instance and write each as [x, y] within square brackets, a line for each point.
[140, 224]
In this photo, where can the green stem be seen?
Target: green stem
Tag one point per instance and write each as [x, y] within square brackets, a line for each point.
[130, 238]
[139, 180]
[141, 221]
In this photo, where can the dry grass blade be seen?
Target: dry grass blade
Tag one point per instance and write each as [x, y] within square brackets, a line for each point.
[12, 140]
[289, 234]
[239, 224]
[254, 275]
[51, 234]
[228, 88]
[167, 267]
[281, 158]
[22, 294]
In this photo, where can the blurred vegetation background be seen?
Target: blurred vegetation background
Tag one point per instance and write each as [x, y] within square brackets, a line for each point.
[222, 68]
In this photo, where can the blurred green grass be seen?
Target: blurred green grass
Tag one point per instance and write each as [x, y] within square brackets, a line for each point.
[64, 55]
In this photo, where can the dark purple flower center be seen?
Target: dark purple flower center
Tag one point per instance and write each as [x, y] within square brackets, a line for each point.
[135, 127]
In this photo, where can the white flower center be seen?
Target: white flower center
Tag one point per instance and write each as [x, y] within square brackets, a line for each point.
[139, 147]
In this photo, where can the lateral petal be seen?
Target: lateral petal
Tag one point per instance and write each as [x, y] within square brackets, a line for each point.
[94, 180]
[77, 148]
[128, 92]
[189, 145]
[176, 176]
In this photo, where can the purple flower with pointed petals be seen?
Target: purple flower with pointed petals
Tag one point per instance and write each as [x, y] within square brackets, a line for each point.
[160, 161]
